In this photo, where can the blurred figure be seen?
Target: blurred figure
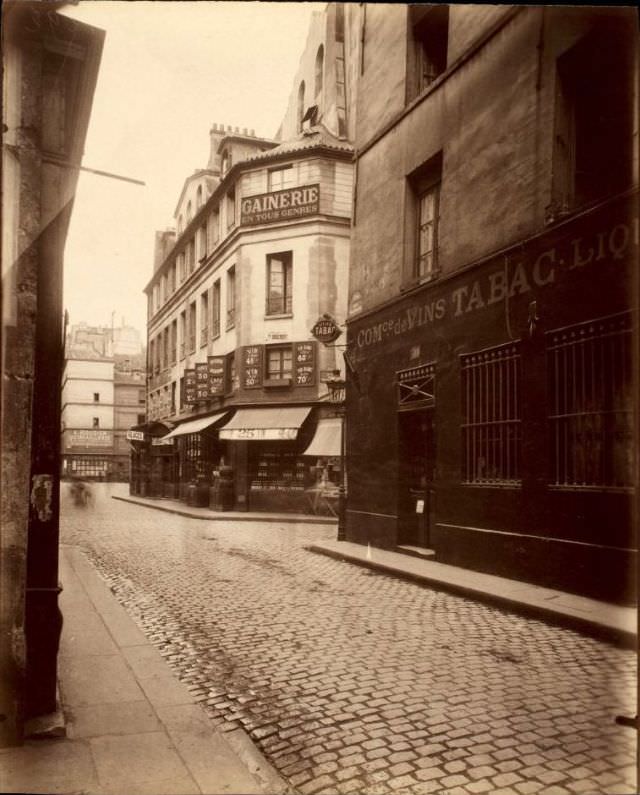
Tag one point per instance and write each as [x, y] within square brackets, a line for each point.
[81, 493]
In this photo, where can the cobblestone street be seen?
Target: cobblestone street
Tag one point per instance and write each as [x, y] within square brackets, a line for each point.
[353, 681]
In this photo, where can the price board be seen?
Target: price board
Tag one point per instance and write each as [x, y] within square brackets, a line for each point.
[252, 368]
[305, 361]
[190, 386]
[215, 367]
[202, 381]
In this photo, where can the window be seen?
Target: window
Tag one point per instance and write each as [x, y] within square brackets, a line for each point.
[231, 297]
[191, 255]
[173, 397]
[215, 310]
[96, 397]
[319, 73]
[202, 243]
[214, 228]
[182, 394]
[156, 297]
[180, 224]
[428, 46]
[231, 209]
[141, 419]
[423, 216]
[231, 373]
[279, 178]
[166, 347]
[96, 422]
[182, 267]
[591, 399]
[491, 429]
[199, 197]
[192, 327]
[300, 114]
[163, 288]
[593, 128]
[172, 278]
[279, 283]
[159, 352]
[173, 346]
[189, 211]
[204, 317]
[279, 360]
[183, 334]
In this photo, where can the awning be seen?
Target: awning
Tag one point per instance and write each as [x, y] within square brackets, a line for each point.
[326, 442]
[195, 426]
[266, 423]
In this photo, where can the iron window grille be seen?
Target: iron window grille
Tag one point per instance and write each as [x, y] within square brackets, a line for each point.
[591, 404]
[416, 387]
[491, 428]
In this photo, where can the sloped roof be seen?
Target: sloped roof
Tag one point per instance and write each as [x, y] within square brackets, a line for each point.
[317, 136]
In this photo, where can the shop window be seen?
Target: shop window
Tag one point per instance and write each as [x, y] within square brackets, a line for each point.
[593, 128]
[231, 209]
[591, 400]
[279, 178]
[192, 327]
[423, 218]
[95, 422]
[428, 46]
[300, 108]
[215, 309]
[87, 466]
[279, 359]
[231, 297]
[319, 71]
[279, 283]
[273, 468]
[96, 397]
[204, 317]
[491, 428]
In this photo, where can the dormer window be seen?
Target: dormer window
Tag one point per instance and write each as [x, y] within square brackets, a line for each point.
[310, 118]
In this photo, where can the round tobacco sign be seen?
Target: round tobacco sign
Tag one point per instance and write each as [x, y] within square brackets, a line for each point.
[326, 330]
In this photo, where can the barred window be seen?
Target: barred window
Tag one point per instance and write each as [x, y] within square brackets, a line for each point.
[591, 403]
[491, 429]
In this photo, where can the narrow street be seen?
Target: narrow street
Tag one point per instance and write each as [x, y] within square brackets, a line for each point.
[352, 681]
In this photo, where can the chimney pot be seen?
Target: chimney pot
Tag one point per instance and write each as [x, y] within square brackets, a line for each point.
[236, 130]
[229, 129]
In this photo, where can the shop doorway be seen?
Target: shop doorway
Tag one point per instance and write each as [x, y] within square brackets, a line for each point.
[416, 457]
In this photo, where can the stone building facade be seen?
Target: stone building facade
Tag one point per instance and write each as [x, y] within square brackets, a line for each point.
[492, 313]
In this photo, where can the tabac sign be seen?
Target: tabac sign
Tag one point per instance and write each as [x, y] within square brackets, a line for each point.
[280, 205]
[326, 329]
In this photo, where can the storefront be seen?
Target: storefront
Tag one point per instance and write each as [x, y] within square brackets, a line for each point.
[493, 419]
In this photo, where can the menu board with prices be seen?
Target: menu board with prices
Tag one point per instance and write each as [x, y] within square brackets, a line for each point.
[190, 386]
[305, 359]
[252, 368]
[202, 381]
[215, 368]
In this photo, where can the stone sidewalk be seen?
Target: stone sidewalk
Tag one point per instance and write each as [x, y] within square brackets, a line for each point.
[614, 623]
[131, 726]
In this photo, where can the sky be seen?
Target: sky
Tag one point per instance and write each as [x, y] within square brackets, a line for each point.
[169, 70]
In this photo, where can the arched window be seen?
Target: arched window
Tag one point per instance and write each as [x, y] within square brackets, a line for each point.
[189, 211]
[199, 197]
[319, 71]
[300, 105]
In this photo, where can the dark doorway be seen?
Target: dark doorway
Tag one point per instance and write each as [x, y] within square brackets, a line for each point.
[415, 487]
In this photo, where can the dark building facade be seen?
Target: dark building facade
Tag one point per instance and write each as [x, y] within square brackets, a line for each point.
[492, 319]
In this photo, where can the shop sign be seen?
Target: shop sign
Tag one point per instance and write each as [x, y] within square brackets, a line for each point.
[259, 434]
[161, 442]
[252, 368]
[190, 386]
[518, 277]
[280, 205]
[215, 367]
[135, 436]
[305, 358]
[202, 381]
[326, 330]
[88, 438]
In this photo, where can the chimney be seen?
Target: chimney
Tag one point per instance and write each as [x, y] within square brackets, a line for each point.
[216, 134]
[164, 241]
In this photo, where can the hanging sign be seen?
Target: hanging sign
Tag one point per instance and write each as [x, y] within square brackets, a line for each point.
[135, 436]
[252, 366]
[215, 366]
[326, 330]
[190, 386]
[202, 381]
[305, 359]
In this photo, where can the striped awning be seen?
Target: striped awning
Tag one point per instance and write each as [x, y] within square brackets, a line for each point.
[195, 426]
[265, 423]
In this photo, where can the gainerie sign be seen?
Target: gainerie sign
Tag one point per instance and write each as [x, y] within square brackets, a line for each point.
[280, 205]
[513, 279]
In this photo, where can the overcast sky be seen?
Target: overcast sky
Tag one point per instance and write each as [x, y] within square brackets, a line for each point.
[169, 70]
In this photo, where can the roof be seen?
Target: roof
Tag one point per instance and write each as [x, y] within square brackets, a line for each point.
[317, 136]
[211, 180]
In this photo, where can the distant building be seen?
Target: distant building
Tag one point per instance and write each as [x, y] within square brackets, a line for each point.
[492, 291]
[261, 251]
[103, 395]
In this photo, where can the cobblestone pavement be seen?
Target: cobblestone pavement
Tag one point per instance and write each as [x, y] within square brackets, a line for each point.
[352, 681]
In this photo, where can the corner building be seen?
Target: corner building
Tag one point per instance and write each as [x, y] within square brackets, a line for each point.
[492, 316]
[260, 252]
